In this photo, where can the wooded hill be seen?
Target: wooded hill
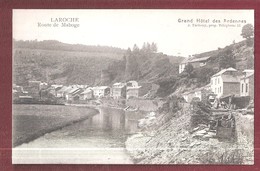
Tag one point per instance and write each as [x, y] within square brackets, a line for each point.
[61, 63]
[237, 55]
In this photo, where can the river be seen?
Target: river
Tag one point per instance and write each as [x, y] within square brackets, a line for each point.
[97, 140]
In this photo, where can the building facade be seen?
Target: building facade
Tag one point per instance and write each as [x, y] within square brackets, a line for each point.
[196, 63]
[132, 89]
[247, 84]
[86, 95]
[225, 83]
[118, 90]
[101, 91]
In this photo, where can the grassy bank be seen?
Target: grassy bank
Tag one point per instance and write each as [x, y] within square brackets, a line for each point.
[33, 121]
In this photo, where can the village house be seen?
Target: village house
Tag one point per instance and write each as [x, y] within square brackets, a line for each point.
[71, 93]
[101, 91]
[188, 96]
[86, 94]
[34, 88]
[61, 93]
[17, 89]
[247, 84]
[225, 83]
[53, 89]
[201, 93]
[43, 85]
[132, 89]
[118, 90]
[196, 63]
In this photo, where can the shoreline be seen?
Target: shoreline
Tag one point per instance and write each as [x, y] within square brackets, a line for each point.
[42, 132]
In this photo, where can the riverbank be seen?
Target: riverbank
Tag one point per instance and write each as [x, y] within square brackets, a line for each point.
[32, 121]
[100, 139]
[167, 138]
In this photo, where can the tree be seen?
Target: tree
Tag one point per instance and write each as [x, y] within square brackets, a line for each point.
[247, 31]
[154, 47]
[227, 59]
[189, 70]
[135, 48]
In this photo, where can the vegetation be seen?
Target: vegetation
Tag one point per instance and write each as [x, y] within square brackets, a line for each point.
[247, 31]
[60, 63]
[144, 65]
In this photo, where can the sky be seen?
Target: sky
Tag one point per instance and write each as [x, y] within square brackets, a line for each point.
[124, 28]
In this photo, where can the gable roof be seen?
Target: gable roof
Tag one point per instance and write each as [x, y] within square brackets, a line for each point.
[72, 90]
[185, 60]
[199, 59]
[224, 70]
[249, 75]
[64, 88]
[86, 91]
[191, 60]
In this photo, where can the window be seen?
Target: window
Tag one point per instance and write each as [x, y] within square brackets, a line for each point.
[246, 87]
[215, 90]
[220, 89]
[242, 87]
[218, 80]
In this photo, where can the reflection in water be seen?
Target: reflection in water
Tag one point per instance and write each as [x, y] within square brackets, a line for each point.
[107, 130]
[115, 121]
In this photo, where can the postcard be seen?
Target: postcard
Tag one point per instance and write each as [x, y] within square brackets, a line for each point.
[133, 86]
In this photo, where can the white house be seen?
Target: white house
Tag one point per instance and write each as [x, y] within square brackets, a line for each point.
[225, 82]
[101, 91]
[247, 83]
[195, 62]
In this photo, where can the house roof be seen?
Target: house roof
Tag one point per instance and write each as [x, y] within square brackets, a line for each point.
[249, 75]
[136, 87]
[186, 93]
[72, 90]
[223, 71]
[248, 70]
[78, 91]
[88, 90]
[56, 85]
[64, 88]
[199, 59]
[185, 60]
[191, 60]
[118, 85]
[230, 79]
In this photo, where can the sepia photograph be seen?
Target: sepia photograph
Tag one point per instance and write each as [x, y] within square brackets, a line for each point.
[133, 86]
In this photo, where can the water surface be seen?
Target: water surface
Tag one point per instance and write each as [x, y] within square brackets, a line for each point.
[97, 140]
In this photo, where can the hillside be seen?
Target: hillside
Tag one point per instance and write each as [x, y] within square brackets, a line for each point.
[57, 64]
[242, 53]
[238, 55]
[61, 63]
[144, 65]
[59, 46]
